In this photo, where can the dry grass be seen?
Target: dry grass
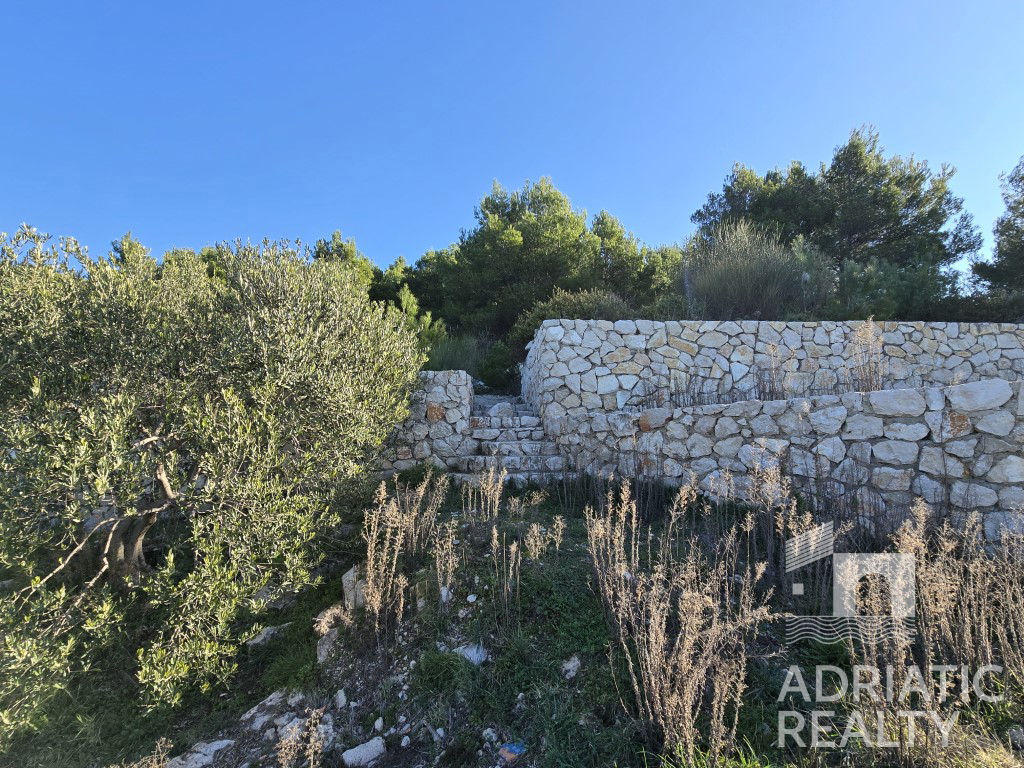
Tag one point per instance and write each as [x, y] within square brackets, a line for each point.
[868, 367]
[557, 533]
[506, 561]
[302, 746]
[681, 619]
[535, 542]
[482, 502]
[446, 561]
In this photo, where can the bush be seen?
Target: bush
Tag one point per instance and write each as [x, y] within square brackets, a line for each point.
[498, 368]
[462, 352]
[174, 443]
[594, 304]
[742, 271]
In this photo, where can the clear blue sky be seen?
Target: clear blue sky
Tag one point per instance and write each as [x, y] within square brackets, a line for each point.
[190, 123]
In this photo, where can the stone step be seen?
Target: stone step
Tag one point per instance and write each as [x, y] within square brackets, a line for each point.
[518, 448]
[512, 463]
[502, 435]
[503, 422]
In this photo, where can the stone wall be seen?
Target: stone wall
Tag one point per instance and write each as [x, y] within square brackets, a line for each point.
[575, 367]
[959, 445]
[438, 428]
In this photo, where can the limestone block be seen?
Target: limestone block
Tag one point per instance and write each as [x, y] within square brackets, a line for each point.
[892, 479]
[1007, 470]
[828, 421]
[971, 495]
[999, 423]
[831, 448]
[861, 427]
[895, 452]
[935, 462]
[898, 430]
[726, 426]
[979, 395]
[897, 402]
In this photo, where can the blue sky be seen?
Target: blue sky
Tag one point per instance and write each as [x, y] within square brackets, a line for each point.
[189, 123]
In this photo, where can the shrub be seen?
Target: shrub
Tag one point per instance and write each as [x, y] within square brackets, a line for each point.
[499, 368]
[742, 271]
[461, 352]
[215, 416]
[594, 304]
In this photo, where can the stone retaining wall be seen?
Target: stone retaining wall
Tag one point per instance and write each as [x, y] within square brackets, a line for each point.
[959, 445]
[438, 428]
[575, 367]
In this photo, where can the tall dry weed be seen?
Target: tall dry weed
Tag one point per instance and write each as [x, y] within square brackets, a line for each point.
[681, 619]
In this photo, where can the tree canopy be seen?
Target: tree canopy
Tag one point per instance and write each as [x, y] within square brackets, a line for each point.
[176, 441]
[1006, 270]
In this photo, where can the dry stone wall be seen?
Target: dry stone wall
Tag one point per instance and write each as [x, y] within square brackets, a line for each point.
[438, 429]
[958, 446]
[576, 367]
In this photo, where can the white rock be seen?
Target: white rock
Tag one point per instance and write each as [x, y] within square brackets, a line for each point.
[340, 699]
[378, 724]
[999, 423]
[364, 754]
[200, 755]
[895, 452]
[571, 667]
[828, 420]
[1008, 470]
[325, 645]
[897, 402]
[971, 495]
[979, 395]
[892, 479]
[899, 431]
[406, 741]
[861, 427]
[474, 654]
[471, 599]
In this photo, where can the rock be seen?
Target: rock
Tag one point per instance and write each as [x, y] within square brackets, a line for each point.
[364, 754]
[900, 431]
[340, 699]
[895, 452]
[271, 701]
[897, 402]
[971, 495]
[490, 735]
[502, 410]
[353, 589]
[861, 427]
[406, 741]
[828, 420]
[471, 599]
[378, 724]
[1009, 470]
[571, 667]
[979, 395]
[296, 698]
[1016, 737]
[653, 418]
[200, 755]
[265, 634]
[325, 645]
[890, 479]
[998, 423]
[474, 654]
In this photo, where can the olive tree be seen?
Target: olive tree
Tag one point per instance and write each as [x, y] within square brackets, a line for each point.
[174, 439]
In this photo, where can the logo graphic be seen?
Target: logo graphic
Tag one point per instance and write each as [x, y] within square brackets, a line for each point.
[849, 569]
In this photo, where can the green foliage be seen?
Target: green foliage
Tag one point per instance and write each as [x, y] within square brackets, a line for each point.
[743, 271]
[222, 411]
[525, 245]
[1005, 272]
[593, 304]
[458, 352]
[499, 367]
[863, 208]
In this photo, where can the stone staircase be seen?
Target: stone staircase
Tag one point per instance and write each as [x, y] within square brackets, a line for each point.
[511, 437]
